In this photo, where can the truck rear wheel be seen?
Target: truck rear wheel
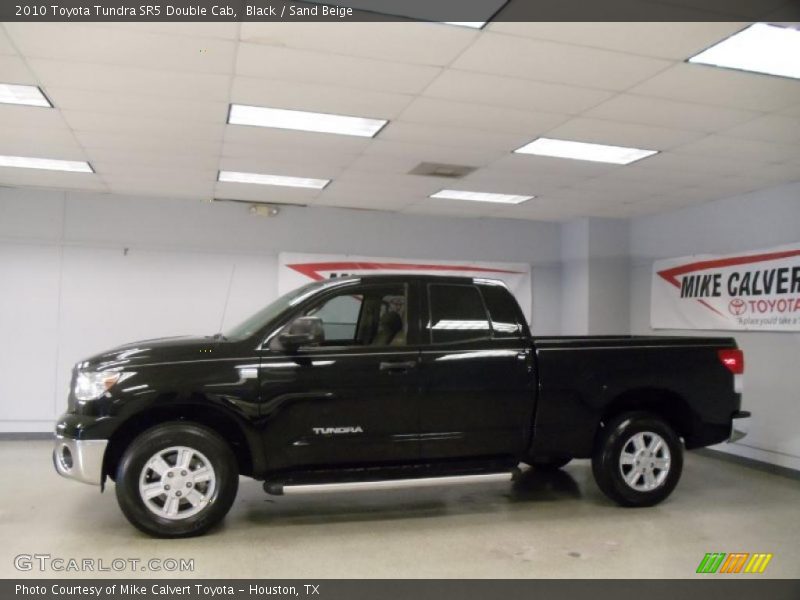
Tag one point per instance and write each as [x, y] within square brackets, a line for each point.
[637, 460]
[177, 480]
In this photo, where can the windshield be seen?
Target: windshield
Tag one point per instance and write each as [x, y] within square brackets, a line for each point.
[262, 318]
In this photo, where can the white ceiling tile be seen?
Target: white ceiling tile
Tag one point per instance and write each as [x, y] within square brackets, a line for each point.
[722, 87]
[595, 196]
[138, 105]
[30, 117]
[124, 173]
[661, 176]
[614, 182]
[361, 197]
[296, 95]
[513, 92]
[54, 142]
[289, 166]
[5, 43]
[153, 122]
[769, 128]
[98, 140]
[79, 120]
[676, 41]
[418, 133]
[754, 151]
[14, 70]
[601, 131]
[417, 153]
[479, 116]
[219, 29]
[669, 113]
[432, 43]
[557, 63]
[243, 140]
[120, 159]
[325, 68]
[132, 80]
[712, 166]
[81, 43]
[530, 165]
[50, 179]
[164, 188]
[264, 193]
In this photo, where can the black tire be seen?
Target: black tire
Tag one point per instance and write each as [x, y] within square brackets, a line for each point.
[550, 463]
[208, 445]
[616, 437]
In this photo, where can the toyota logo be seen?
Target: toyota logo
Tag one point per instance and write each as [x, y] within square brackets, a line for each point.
[737, 307]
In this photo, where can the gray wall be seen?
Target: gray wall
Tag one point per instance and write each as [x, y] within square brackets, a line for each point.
[772, 372]
[70, 289]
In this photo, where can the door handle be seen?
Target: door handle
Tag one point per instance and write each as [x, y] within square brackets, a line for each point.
[398, 366]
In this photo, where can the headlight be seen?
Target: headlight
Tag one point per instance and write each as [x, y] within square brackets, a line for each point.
[91, 385]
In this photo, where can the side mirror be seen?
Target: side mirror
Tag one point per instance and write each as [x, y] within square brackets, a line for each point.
[303, 331]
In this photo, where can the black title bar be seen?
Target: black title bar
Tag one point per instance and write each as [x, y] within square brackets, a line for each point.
[458, 11]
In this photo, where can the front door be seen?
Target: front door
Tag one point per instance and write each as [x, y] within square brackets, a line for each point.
[352, 399]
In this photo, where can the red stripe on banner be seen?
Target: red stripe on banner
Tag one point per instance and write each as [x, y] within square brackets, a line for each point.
[312, 270]
[671, 275]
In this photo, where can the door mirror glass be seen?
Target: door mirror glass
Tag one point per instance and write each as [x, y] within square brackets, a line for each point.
[303, 331]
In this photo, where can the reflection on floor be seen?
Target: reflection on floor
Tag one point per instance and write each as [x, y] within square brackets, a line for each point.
[547, 524]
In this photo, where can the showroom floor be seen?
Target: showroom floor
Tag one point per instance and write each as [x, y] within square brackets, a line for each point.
[548, 525]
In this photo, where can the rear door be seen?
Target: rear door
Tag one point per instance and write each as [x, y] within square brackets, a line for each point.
[477, 379]
[353, 399]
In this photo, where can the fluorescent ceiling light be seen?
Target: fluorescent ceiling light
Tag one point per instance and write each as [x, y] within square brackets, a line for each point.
[481, 197]
[26, 162]
[618, 155]
[760, 48]
[280, 118]
[470, 24]
[263, 179]
[29, 95]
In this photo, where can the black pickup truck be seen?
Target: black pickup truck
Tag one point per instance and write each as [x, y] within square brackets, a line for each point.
[387, 381]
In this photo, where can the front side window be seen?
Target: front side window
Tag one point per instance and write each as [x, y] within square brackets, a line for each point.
[364, 316]
[457, 314]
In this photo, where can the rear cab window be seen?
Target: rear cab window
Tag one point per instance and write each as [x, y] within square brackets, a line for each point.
[468, 312]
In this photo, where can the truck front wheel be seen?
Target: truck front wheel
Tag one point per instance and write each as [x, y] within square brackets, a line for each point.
[177, 480]
[638, 459]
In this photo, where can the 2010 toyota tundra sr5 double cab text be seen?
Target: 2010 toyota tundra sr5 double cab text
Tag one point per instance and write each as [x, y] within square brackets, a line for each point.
[387, 381]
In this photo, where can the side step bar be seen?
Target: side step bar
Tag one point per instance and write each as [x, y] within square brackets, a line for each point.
[289, 489]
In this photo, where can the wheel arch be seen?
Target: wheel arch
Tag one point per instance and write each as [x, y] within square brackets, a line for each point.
[214, 418]
[667, 404]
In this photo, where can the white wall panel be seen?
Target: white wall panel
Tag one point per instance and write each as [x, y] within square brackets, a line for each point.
[772, 379]
[69, 289]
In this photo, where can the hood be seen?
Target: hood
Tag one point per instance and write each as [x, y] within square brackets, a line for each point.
[157, 350]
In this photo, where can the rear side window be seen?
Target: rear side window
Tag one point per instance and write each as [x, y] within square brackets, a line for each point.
[457, 314]
[506, 318]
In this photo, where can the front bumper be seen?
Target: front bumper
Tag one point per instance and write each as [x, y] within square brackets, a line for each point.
[81, 460]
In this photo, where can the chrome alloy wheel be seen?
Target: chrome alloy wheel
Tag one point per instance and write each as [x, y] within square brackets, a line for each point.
[644, 461]
[177, 483]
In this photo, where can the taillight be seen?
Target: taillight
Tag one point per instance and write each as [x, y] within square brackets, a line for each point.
[733, 359]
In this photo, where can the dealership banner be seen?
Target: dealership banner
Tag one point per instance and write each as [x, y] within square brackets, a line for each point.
[295, 270]
[753, 291]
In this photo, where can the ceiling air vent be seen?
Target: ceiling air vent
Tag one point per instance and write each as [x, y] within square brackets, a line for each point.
[429, 169]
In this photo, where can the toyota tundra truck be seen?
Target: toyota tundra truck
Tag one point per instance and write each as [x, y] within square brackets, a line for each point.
[387, 381]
